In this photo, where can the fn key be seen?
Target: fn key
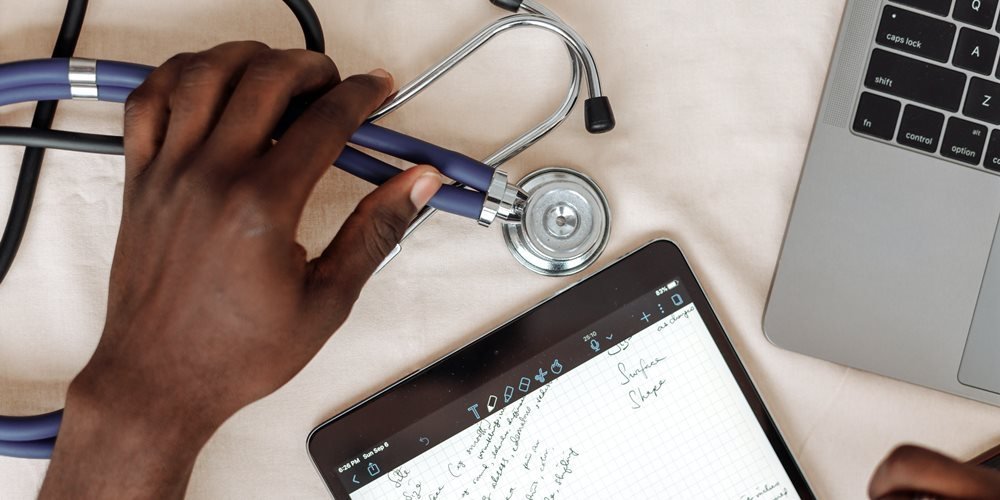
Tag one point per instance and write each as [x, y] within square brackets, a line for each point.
[876, 116]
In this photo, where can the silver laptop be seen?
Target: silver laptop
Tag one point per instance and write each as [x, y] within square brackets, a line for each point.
[891, 260]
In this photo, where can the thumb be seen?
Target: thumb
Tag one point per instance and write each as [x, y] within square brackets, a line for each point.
[369, 234]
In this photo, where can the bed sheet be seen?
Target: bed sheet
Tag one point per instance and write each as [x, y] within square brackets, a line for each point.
[715, 101]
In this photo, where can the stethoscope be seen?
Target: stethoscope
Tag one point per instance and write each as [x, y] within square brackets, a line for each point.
[555, 221]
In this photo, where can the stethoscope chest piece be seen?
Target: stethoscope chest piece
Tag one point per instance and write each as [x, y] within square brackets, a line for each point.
[566, 223]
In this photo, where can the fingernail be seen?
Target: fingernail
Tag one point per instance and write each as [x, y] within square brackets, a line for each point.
[424, 189]
[381, 73]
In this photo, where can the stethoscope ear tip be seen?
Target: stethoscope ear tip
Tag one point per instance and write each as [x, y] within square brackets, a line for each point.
[511, 5]
[599, 115]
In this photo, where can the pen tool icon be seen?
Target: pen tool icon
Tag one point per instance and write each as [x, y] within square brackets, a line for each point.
[491, 403]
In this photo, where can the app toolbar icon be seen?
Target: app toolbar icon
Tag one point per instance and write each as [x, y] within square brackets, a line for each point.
[541, 376]
[425, 441]
[525, 384]
[646, 316]
[491, 403]
[556, 367]
[507, 394]
[475, 410]
[373, 469]
[595, 345]
[677, 299]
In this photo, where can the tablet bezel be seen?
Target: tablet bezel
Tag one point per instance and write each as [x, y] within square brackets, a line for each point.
[542, 326]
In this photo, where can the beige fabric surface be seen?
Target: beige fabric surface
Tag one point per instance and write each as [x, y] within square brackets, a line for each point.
[715, 102]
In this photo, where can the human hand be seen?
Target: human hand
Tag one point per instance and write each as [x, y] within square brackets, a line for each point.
[913, 472]
[212, 303]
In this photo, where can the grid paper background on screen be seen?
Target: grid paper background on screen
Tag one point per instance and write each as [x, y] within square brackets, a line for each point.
[681, 429]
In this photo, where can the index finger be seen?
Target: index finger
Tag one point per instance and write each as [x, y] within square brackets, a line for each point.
[317, 137]
[914, 470]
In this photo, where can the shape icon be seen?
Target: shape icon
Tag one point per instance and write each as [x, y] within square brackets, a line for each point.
[525, 384]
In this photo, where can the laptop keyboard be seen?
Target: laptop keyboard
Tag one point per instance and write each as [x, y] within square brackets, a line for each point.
[932, 83]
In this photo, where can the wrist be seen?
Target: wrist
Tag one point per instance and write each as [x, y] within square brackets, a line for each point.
[104, 401]
[151, 450]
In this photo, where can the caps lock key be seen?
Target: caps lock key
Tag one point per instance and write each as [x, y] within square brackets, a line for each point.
[915, 33]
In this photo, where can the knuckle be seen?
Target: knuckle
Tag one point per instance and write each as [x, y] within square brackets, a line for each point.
[200, 69]
[334, 112]
[386, 227]
[139, 103]
[267, 66]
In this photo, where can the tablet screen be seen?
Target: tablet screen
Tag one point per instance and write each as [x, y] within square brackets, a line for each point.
[638, 404]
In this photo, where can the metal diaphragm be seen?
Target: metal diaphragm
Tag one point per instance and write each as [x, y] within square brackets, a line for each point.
[566, 223]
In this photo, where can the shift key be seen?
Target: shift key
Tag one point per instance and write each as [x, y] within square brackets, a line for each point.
[915, 80]
[915, 33]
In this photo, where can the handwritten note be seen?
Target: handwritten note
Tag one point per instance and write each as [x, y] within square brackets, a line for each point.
[655, 416]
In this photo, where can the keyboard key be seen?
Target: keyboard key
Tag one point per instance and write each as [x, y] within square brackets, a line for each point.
[976, 51]
[876, 116]
[916, 33]
[983, 101]
[939, 7]
[976, 12]
[963, 141]
[915, 80]
[992, 158]
[920, 128]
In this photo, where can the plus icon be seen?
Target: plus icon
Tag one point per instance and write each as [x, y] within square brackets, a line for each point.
[645, 316]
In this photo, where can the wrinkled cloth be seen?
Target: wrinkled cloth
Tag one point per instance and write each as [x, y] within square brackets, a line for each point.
[715, 103]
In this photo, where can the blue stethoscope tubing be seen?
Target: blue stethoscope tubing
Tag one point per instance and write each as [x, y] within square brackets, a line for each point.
[48, 80]
[29, 437]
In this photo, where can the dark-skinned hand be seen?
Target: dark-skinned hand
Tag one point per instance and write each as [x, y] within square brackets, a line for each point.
[911, 472]
[212, 304]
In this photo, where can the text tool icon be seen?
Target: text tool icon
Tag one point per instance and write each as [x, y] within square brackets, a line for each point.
[541, 376]
[525, 384]
[373, 469]
[595, 345]
[491, 403]
[556, 367]
[475, 410]
[507, 394]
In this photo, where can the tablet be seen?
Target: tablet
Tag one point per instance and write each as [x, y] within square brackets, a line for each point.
[622, 386]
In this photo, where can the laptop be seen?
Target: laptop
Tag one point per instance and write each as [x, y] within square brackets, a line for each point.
[891, 261]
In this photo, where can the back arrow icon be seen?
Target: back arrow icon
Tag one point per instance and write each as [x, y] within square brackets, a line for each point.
[355, 480]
